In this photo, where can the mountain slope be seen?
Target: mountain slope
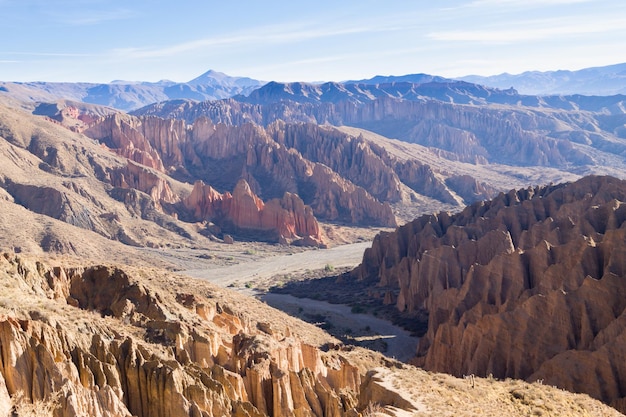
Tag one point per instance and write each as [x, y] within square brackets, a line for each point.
[528, 285]
[129, 198]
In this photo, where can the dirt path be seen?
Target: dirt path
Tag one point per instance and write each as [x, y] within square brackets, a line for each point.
[250, 270]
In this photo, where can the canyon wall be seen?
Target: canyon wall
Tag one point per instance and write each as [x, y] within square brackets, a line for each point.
[529, 285]
[104, 343]
[221, 155]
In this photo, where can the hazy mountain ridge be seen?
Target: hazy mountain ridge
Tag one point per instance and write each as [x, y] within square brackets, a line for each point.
[127, 96]
[599, 81]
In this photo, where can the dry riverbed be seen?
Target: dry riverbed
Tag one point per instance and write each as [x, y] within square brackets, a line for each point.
[254, 276]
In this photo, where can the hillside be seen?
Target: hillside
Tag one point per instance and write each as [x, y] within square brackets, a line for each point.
[102, 340]
[529, 285]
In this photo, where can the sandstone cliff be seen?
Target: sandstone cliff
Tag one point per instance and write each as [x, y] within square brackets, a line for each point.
[529, 285]
[220, 155]
[278, 220]
[107, 344]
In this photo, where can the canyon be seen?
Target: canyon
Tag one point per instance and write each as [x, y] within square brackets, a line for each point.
[107, 215]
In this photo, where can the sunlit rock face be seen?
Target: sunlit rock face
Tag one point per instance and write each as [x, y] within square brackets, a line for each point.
[529, 285]
[130, 349]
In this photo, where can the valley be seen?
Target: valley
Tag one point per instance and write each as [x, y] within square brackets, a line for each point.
[233, 247]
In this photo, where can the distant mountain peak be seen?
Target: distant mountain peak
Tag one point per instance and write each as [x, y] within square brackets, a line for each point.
[419, 78]
[212, 77]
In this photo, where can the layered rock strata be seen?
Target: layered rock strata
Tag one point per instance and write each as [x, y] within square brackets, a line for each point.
[220, 155]
[530, 285]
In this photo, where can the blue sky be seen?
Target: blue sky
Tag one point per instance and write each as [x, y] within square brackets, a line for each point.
[149, 40]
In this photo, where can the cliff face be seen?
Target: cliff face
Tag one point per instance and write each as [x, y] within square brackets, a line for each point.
[281, 220]
[103, 343]
[468, 123]
[221, 155]
[530, 285]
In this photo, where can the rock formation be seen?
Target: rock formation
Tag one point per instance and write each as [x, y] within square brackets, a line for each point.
[129, 349]
[530, 285]
[468, 122]
[220, 155]
[111, 342]
[278, 220]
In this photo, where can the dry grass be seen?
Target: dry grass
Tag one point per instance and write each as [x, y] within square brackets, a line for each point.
[443, 395]
[23, 407]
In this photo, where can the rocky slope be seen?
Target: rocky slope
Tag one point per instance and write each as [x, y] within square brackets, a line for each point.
[529, 285]
[65, 176]
[462, 121]
[108, 341]
[220, 155]
[105, 343]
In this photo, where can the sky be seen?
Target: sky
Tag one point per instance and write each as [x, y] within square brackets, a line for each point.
[150, 40]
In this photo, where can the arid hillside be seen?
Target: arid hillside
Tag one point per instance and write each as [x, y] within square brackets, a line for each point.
[109, 341]
[529, 285]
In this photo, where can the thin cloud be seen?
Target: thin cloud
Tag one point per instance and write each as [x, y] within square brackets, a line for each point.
[529, 31]
[48, 54]
[481, 3]
[273, 35]
[93, 17]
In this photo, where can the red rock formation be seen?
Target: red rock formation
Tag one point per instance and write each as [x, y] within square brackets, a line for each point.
[220, 155]
[530, 285]
[286, 219]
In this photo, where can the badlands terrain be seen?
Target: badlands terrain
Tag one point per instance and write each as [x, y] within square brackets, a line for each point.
[470, 239]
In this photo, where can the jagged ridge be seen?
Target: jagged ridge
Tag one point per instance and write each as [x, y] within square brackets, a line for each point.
[529, 285]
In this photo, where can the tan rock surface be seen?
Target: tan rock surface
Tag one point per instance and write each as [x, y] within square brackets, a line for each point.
[529, 285]
[107, 341]
[116, 346]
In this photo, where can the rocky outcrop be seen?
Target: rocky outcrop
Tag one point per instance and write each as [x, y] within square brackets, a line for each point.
[103, 343]
[139, 178]
[278, 220]
[529, 285]
[154, 144]
[220, 155]
[468, 123]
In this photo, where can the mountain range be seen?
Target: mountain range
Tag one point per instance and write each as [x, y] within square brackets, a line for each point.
[213, 85]
[597, 81]
[490, 208]
[124, 95]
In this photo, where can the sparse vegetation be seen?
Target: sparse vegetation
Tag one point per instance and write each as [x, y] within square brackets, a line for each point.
[329, 268]
[374, 410]
[24, 407]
